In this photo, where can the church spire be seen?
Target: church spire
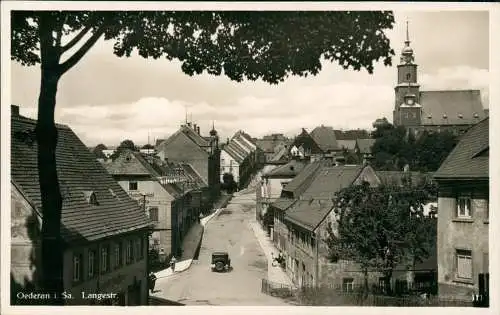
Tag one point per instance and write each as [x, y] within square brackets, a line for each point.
[407, 53]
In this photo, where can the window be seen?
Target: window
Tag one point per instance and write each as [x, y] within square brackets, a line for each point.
[118, 255]
[138, 249]
[464, 264]
[130, 254]
[153, 214]
[408, 76]
[132, 185]
[104, 259]
[464, 206]
[92, 262]
[348, 284]
[77, 267]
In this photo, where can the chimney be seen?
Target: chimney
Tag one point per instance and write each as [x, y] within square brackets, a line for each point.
[189, 124]
[198, 130]
[14, 110]
[195, 128]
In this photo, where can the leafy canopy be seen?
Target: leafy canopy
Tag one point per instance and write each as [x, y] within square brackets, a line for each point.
[241, 45]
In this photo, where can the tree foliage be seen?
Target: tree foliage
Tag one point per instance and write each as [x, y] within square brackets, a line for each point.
[383, 227]
[124, 145]
[98, 151]
[395, 147]
[228, 183]
[242, 45]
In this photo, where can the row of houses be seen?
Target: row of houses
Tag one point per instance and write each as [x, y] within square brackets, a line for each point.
[294, 203]
[240, 157]
[297, 208]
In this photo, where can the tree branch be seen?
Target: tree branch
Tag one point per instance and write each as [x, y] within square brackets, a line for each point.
[71, 61]
[75, 39]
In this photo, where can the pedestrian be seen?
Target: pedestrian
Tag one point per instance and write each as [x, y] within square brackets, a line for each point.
[152, 281]
[172, 263]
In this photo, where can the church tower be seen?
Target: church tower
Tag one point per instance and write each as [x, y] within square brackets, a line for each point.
[407, 89]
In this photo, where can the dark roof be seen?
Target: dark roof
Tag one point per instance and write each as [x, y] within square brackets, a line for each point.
[350, 134]
[300, 182]
[291, 169]
[190, 134]
[330, 179]
[281, 155]
[325, 138]
[269, 143]
[347, 144]
[129, 163]
[305, 140]
[396, 177]
[470, 157]
[308, 213]
[365, 145]
[283, 203]
[80, 175]
[452, 104]
[158, 142]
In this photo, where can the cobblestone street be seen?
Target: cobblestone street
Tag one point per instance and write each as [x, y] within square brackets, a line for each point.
[229, 231]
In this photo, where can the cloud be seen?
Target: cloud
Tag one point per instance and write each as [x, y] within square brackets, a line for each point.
[343, 105]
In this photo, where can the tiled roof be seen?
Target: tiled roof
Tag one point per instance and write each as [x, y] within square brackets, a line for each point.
[325, 138]
[300, 182]
[350, 134]
[158, 142]
[346, 144]
[330, 179]
[291, 169]
[280, 155]
[305, 140]
[79, 173]
[365, 145]
[283, 203]
[436, 104]
[129, 163]
[309, 213]
[470, 157]
[193, 135]
[396, 177]
[244, 145]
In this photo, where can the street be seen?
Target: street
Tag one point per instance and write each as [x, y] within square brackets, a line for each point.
[229, 231]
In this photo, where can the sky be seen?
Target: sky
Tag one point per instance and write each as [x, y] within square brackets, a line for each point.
[107, 99]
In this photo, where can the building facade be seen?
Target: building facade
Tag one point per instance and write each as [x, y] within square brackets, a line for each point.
[202, 153]
[463, 216]
[104, 231]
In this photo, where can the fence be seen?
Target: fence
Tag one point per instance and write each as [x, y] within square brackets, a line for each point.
[356, 296]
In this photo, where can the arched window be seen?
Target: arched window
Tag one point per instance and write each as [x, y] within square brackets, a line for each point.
[408, 76]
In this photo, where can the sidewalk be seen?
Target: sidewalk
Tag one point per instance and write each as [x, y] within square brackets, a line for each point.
[274, 273]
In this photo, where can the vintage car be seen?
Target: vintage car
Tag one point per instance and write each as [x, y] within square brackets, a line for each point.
[220, 262]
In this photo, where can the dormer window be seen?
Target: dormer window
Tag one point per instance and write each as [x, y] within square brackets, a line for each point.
[476, 115]
[445, 116]
[429, 116]
[90, 197]
[460, 116]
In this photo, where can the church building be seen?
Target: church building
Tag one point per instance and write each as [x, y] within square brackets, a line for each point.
[454, 110]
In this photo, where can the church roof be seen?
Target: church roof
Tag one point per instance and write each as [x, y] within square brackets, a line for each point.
[460, 107]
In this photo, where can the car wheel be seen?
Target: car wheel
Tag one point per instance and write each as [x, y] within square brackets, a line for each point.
[219, 266]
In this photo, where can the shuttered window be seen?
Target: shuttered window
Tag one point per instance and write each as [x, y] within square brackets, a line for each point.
[464, 264]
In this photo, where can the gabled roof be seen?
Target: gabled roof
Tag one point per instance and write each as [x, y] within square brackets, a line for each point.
[280, 155]
[79, 173]
[190, 134]
[470, 157]
[130, 163]
[365, 145]
[330, 179]
[289, 170]
[325, 138]
[306, 141]
[436, 104]
[309, 213]
[301, 181]
[346, 144]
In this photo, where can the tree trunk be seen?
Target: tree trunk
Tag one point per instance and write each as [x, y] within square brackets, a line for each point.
[366, 288]
[46, 136]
